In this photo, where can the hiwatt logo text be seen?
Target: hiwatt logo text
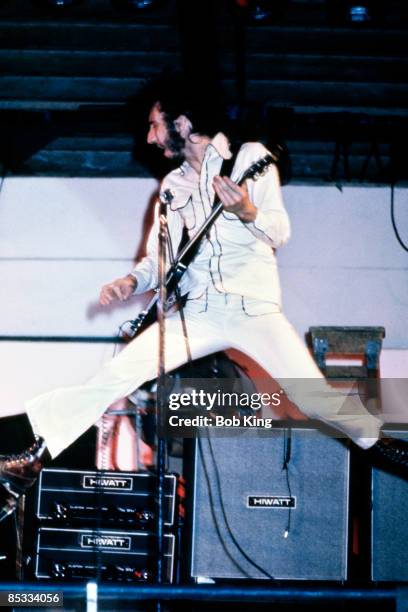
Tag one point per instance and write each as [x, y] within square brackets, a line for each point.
[105, 541]
[107, 482]
[271, 501]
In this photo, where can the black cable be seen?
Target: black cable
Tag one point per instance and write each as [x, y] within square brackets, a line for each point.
[17, 530]
[224, 515]
[394, 224]
[287, 453]
[213, 514]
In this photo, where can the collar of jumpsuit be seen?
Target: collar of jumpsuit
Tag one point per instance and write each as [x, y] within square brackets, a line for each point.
[219, 147]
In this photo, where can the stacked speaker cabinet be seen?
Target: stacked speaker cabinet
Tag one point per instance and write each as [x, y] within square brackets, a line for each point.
[389, 524]
[270, 504]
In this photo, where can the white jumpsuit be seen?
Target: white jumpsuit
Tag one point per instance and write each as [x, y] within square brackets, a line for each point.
[233, 302]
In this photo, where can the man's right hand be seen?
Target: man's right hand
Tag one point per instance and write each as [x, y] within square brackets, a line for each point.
[120, 289]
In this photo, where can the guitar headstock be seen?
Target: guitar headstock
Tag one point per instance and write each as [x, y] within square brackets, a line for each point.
[259, 168]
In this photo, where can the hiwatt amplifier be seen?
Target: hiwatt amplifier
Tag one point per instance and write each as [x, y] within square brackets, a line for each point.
[270, 505]
[110, 499]
[389, 524]
[68, 554]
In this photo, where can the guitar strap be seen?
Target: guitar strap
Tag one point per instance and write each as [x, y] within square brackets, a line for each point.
[227, 166]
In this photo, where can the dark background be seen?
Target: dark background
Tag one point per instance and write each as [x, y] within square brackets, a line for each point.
[303, 72]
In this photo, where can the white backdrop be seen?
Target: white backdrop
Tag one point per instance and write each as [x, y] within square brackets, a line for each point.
[61, 239]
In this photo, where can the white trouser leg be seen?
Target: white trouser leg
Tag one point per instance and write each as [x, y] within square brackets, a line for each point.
[274, 344]
[62, 415]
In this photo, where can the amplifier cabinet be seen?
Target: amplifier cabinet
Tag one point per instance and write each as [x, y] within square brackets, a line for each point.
[389, 524]
[69, 554]
[293, 524]
[111, 499]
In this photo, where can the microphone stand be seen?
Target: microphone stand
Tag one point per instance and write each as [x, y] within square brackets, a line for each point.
[161, 390]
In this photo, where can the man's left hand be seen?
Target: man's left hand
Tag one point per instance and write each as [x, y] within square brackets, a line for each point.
[234, 198]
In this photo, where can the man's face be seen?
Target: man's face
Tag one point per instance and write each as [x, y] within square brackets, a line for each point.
[164, 134]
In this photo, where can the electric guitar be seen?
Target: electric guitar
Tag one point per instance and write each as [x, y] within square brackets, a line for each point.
[189, 250]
